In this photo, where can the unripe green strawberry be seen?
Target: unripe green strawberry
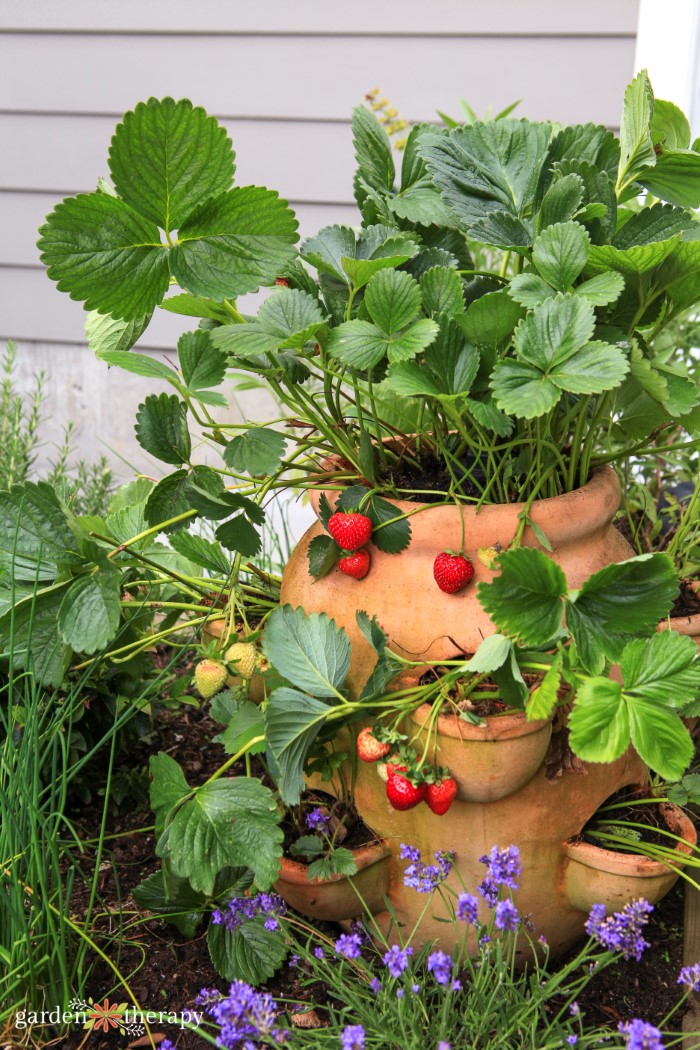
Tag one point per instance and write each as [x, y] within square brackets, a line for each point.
[244, 657]
[209, 677]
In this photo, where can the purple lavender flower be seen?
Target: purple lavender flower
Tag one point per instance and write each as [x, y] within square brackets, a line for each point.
[167, 1045]
[440, 965]
[503, 868]
[400, 992]
[572, 1040]
[456, 985]
[375, 985]
[640, 1035]
[358, 927]
[506, 916]
[443, 1045]
[243, 1015]
[319, 953]
[319, 821]
[349, 945]
[621, 932]
[415, 988]
[396, 959]
[690, 976]
[242, 909]
[467, 908]
[409, 852]
[574, 1009]
[293, 961]
[353, 1037]
[425, 878]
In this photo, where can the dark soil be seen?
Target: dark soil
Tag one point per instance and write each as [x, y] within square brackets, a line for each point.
[613, 821]
[166, 970]
[431, 477]
[688, 601]
[346, 826]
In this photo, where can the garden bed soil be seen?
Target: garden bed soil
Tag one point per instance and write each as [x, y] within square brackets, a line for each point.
[626, 812]
[688, 601]
[168, 970]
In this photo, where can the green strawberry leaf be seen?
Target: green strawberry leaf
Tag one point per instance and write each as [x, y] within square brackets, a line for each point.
[256, 451]
[293, 721]
[166, 157]
[89, 616]
[525, 600]
[239, 535]
[104, 332]
[309, 650]
[250, 953]
[161, 428]
[323, 554]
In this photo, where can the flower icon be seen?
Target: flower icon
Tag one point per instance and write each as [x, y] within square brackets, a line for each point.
[105, 1016]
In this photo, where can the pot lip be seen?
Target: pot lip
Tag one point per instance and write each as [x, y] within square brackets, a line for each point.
[508, 726]
[634, 864]
[294, 872]
[689, 625]
[585, 502]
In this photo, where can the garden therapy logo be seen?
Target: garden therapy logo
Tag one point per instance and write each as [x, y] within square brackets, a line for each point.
[105, 1016]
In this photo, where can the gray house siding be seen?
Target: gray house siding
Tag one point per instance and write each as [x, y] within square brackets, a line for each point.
[282, 78]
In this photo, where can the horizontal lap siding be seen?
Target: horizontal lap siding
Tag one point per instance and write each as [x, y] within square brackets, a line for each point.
[283, 79]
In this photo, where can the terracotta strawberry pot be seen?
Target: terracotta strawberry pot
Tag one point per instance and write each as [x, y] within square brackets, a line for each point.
[215, 630]
[335, 899]
[601, 876]
[422, 622]
[488, 762]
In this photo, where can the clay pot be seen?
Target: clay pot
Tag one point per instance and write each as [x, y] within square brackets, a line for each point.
[214, 630]
[488, 762]
[422, 622]
[601, 876]
[335, 899]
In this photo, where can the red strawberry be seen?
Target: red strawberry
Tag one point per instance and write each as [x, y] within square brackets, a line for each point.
[402, 794]
[355, 565]
[452, 572]
[369, 748]
[441, 795]
[282, 282]
[350, 531]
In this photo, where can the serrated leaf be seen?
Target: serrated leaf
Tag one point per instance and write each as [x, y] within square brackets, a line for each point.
[35, 537]
[372, 150]
[136, 491]
[171, 496]
[202, 552]
[603, 289]
[202, 365]
[669, 126]
[31, 628]
[226, 822]
[660, 738]
[393, 300]
[89, 615]
[421, 204]
[104, 332]
[182, 906]
[657, 223]
[307, 846]
[636, 142]
[339, 862]
[525, 600]
[388, 535]
[166, 157]
[491, 654]
[619, 603]
[239, 535]
[250, 953]
[530, 290]
[554, 331]
[486, 168]
[293, 720]
[409, 343]
[256, 451]
[503, 230]
[560, 253]
[675, 178]
[309, 650]
[216, 503]
[522, 390]
[487, 415]
[168, 788]
[543, 699]
[103, 253]
[234, 243]
[161, 428]
[491, 320]
[246, 723]
[323, 554]
[195, 306]
[599, 728]
[441, 289]
[335, 250]
[664, 668]
[561, 201]
[358, 344]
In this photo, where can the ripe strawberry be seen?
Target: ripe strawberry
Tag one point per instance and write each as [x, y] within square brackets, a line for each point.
[282, 282]
[402, 794]
[355, 565]
[452, 572]
[209, 677]
[369, 748]
[244, 657]
[350, 531]
[441, 795]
